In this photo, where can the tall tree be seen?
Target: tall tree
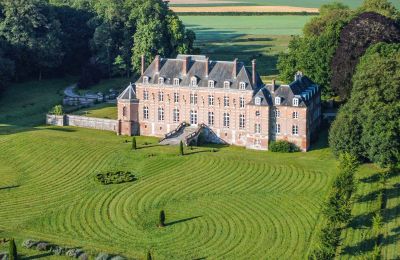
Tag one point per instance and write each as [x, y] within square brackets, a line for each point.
[383, 7]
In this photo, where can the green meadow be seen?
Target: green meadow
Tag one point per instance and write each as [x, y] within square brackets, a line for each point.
[246, 37]
[229, 204]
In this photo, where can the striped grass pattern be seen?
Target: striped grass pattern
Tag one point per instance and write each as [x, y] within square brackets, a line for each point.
[232, 204]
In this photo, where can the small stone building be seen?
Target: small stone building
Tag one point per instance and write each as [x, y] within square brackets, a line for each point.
[226, 96]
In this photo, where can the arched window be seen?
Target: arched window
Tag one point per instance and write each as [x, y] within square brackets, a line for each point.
[160, 80]
[176, 82]
[145, 80]
[242, 85]
[124, 111]
[226, 120]
[145, 112]
[175, 115]
[211, 83]
[257, 101]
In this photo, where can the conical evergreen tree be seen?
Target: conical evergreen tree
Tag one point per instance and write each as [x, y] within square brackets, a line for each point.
[162, 218]
[181, 148]
[134, 143]
[12, 250]
[149, 256]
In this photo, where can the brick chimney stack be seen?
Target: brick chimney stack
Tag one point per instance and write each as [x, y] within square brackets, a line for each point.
[254, 76]
[158, 63]
[234, 71]
[143, 61]
[185, 67]
[206, 67]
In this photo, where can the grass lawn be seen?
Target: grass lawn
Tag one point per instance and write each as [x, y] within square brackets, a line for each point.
[246, 37]
[103, 110]
[233, 203]
[359, 239]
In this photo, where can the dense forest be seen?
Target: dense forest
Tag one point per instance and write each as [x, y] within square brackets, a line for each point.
[45, 38]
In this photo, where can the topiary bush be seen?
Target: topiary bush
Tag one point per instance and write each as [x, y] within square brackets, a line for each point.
[29, 243]
[115, 177]
[57, 250]
[102, 256]
[43, 246]
[283, 147]
[74, 252]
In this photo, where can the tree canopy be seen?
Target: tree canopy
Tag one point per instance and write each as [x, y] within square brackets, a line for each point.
[368, 125]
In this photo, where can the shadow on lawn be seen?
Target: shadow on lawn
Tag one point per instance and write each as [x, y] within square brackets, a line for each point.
[36, 256]
[9, 187]
[181, 221]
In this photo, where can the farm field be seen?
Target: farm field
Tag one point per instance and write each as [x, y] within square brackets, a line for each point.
[246, 37]
[233, 203]
[303, 3]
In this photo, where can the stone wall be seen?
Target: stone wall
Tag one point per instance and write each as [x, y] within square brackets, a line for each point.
[83, 121]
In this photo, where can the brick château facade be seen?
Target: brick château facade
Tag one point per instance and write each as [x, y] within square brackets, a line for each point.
[226, 97]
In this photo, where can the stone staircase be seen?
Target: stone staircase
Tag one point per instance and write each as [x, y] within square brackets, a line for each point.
[176, 136]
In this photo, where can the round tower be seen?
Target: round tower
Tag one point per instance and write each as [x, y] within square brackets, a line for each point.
[128, 109]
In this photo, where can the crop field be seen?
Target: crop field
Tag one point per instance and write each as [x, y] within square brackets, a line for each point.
[246, 37]
[229, 204]
[359, 238]
[302, 3]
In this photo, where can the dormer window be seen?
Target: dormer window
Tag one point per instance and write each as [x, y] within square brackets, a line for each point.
[242, 85]
[257, 101]
[211, 83]
[227, 84]
[295, 102]
[277, 100]
[193, 81]
[160, 80]
[176, 82]
[145, 80]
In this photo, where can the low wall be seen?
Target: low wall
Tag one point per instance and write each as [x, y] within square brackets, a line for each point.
[83, 121]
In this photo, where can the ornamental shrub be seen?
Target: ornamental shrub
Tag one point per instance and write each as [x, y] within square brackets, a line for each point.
[134, 143]
[283, 147]
[12, 250]
[162, 218]
[181, 148]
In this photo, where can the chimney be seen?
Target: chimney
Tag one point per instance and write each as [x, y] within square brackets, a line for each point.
[254, 76]
[143, 61]
[234, 72]
[273, 85]
[185, 67]
[206, 67]
[157, 63]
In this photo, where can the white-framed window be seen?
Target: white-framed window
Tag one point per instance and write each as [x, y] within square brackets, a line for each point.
[226, 101]
[295, 115]
[176, 97]
[278, 129]
[226, 120]
[257, 101]
[277, 100]
[175, 115]
[210, 100]
[160, 96]
[242, 85]
[193, 117]
[242, 121]
[160, 114]
[146, 95]
[257, 128]
[193, 99]
[277, 113]
[210, 118]
[227, 84]
[160, 80]
[295, 102]
[176, 82]
[145, 112]
[124, 111]
[193, 81]
[241, 102]
[295, 130]
[258, 113]
[211, 83]
[145, 80]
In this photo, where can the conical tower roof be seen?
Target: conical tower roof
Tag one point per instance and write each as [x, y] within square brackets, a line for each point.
[128, 94]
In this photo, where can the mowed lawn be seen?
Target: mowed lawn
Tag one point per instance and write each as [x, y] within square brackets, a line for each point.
[230, 204]
[246, 37]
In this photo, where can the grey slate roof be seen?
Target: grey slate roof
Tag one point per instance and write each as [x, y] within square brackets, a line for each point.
[219, 71]
[302, 87]
[128, 94]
